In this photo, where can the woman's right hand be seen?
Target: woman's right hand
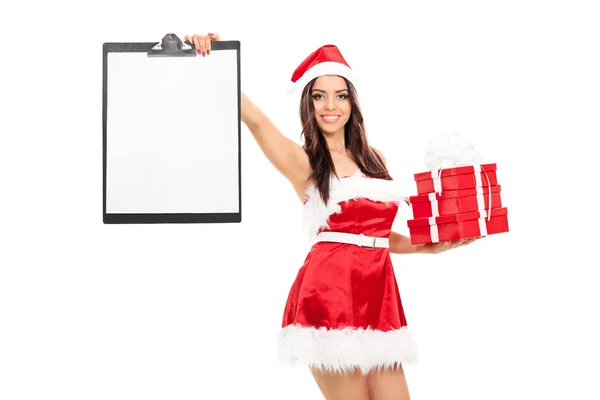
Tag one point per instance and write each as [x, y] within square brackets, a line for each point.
[202, 42]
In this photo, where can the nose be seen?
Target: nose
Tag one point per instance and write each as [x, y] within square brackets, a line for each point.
[330, 105]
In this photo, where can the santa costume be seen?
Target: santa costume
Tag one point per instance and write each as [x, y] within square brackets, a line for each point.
[344, 311]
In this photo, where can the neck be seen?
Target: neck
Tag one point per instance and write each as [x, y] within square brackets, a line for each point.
[336, 142]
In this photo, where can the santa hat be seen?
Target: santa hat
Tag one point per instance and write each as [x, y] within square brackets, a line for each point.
[326, 60]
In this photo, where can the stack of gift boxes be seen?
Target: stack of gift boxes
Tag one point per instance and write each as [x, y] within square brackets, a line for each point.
[456, 203]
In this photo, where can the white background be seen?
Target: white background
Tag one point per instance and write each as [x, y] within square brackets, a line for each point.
[92, 311]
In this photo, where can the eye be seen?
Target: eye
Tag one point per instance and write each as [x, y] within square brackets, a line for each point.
[343, 96]
[317, 96]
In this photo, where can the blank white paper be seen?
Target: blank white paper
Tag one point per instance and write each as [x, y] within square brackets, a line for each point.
[172, 134]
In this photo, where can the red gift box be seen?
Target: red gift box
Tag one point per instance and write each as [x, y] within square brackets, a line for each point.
[456, 178]
[458, 226]
[455, 201]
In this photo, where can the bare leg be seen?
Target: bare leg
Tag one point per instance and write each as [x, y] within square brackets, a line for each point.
[337, 386]
[388, 384]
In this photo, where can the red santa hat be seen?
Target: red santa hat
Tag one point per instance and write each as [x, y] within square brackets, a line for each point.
[326, 60]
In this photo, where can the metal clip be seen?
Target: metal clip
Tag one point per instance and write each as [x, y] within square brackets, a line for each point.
[372, 245]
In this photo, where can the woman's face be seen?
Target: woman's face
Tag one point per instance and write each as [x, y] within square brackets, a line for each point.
[332, 103]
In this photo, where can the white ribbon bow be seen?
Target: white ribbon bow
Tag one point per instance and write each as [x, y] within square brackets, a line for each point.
[449, 151]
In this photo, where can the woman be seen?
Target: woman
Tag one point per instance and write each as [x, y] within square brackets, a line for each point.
[343, 317]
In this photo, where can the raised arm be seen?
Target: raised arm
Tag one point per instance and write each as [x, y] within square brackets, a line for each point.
[285, 155]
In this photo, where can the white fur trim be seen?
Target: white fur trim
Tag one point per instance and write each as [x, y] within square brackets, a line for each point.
[324, 68]
[316, 213]
[343, 350]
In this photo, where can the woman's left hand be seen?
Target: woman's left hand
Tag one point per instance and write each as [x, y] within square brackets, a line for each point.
[435, 248]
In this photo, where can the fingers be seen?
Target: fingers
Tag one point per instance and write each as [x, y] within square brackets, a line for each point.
[467, 241]
[196, 43]
[202, 43]
[462, 242]
[440, 247]
[207, 41]
[447, 245]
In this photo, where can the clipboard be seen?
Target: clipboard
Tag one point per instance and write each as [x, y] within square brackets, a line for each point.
[171, 122]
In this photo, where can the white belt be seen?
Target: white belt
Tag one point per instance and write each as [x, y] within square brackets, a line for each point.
[370, 242]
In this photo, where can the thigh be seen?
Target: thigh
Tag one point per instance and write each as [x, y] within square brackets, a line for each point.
[337, 386]
[388, 384]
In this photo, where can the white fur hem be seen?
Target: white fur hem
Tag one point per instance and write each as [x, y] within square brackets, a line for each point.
[344, 350]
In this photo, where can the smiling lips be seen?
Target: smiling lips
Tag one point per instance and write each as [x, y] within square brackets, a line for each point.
[330, 118]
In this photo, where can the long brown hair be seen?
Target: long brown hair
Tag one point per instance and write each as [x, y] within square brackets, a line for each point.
[355, 139]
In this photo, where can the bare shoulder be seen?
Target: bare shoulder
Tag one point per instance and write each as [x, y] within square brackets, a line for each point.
[380, 154]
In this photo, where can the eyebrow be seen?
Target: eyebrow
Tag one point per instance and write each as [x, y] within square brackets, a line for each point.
[337, 91]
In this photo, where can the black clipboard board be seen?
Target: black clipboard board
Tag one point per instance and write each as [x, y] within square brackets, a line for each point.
[171, 137]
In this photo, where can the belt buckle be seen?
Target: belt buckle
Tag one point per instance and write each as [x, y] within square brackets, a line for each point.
[372, 245]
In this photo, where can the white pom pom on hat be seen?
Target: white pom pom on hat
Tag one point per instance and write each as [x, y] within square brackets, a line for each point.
[326, 60]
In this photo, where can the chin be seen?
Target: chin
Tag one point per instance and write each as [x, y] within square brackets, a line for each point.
[328, 129]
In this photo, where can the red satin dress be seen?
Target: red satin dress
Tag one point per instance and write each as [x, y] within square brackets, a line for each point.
[344, 310]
